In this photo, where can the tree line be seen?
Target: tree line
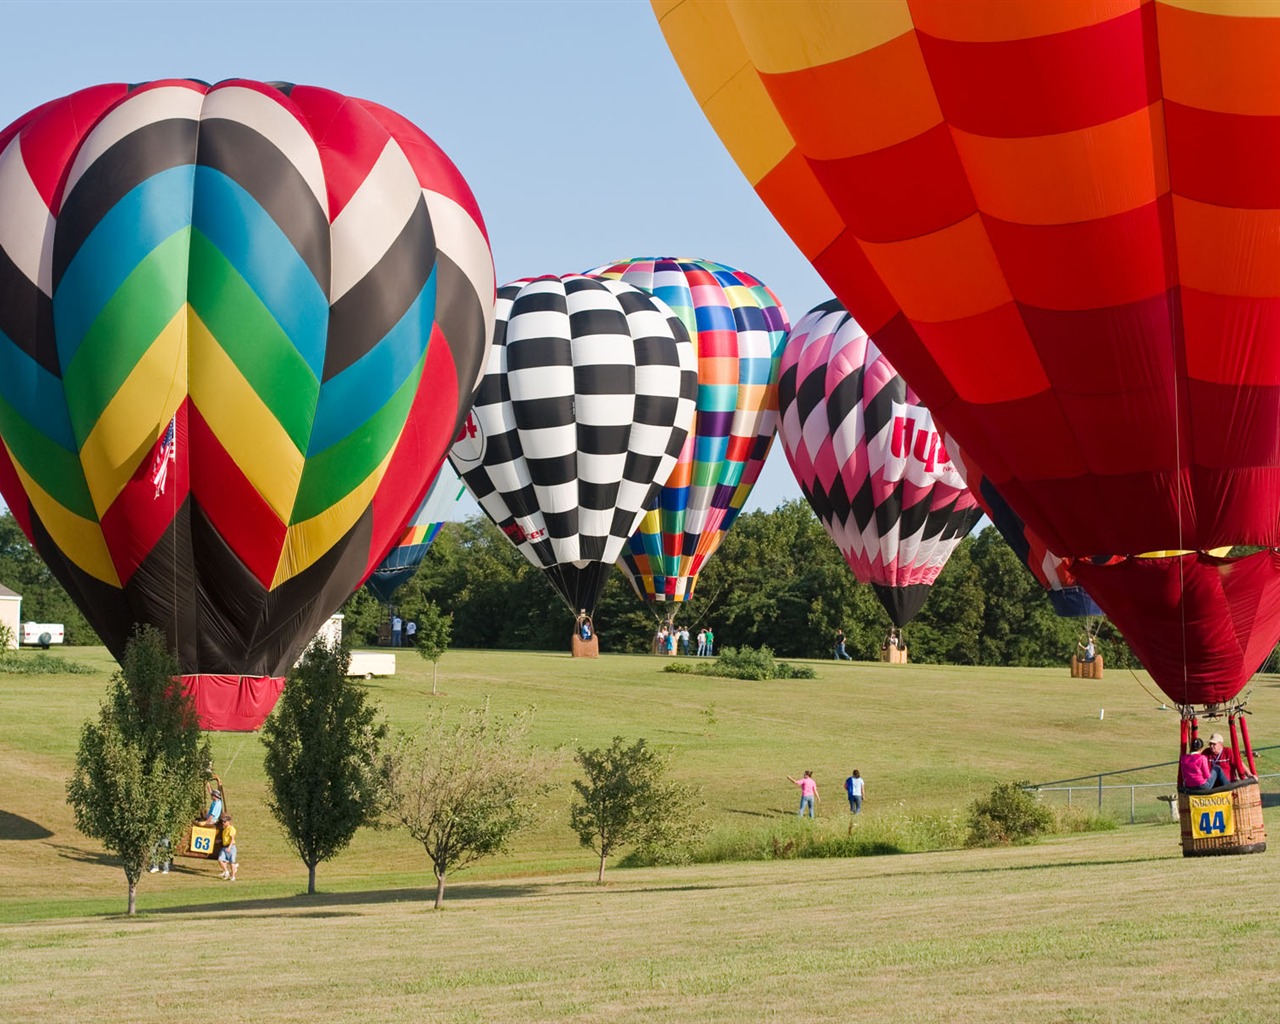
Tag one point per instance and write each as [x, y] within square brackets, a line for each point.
[777, 581]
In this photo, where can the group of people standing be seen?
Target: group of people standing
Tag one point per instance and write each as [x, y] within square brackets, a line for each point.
[402, 633]
[671, 638]
[853, 787]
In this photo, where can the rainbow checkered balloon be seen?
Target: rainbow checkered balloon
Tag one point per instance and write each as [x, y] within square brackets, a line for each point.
[239, 325]
[739, 327]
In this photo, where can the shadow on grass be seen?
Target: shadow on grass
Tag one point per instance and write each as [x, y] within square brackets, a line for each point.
[330, 904]
[14, 826]
[751, 814]
[107, 860]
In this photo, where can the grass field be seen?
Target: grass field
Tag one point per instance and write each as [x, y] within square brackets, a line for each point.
[1112, 926]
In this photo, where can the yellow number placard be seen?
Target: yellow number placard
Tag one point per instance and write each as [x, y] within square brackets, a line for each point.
[1211, 816]
[203, 840]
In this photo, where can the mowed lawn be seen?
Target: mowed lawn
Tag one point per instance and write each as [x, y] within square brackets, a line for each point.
[1111, 926]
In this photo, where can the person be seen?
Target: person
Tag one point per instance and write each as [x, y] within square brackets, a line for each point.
[671, 643]
[840, 651]
[162, 856]
[808, 793]
[702, 643]
[1221, 757]
[853, 785]
[684, 640]
[711, 643]
[227, 855]
[214, 814]
[396, 624]
[1195, 772]
[1087, 649]
[410, 632]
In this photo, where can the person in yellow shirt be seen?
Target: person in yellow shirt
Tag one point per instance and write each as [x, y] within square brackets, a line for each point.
[228, 854]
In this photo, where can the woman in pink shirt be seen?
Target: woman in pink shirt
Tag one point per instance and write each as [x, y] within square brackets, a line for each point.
[808, 793]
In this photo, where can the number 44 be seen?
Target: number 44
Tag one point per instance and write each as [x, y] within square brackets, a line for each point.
[1211, 823]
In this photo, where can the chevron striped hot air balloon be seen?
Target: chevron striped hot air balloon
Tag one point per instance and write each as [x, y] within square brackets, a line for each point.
[738, 326]
[239, 325]
[409, 551]
[586, 403]
[868, 458]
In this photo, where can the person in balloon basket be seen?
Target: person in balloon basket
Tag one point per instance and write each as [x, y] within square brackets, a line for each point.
[853, 786]
[227, 855]
[1088, 651]
[808, 793]
[1221, 757]
[840, 651]
[214, 814]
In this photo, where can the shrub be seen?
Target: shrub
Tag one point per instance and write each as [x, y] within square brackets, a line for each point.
[41, 664]
[1010, 814]
[745, 663]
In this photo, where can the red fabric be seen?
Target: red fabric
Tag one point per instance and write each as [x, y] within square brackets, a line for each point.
[233, 703]
[1201, 625]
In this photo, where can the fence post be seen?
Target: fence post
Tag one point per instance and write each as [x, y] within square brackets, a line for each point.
[1132, 791]
[1099, 794]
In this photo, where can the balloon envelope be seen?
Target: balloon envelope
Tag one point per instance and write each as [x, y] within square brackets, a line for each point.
[737, 326]
[236, 322]
[1056, 219]
[868, 458]
[402, 561]
[585, 404]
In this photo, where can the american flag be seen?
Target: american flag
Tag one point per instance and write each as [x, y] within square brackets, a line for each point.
[165, 454]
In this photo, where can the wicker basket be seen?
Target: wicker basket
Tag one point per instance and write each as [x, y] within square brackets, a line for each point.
[1086, 669]
[585, 648]
[1223, 821]
[894, 655]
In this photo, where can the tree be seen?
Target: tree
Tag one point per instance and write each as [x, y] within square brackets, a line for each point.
[464, 790]
[141, 766]
[434, 631]
[44, 599]
[627, 798]
[323, 757]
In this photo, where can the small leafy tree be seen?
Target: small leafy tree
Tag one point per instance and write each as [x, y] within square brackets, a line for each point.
[1009, 815]
[435, 630]
[140, 767]
[323, 757]
[464, 790]
[627, 798]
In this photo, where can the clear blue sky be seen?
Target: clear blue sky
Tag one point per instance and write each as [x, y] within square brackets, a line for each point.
[570, 120]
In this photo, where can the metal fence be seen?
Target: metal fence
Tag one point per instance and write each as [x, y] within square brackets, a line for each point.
[1142, 794]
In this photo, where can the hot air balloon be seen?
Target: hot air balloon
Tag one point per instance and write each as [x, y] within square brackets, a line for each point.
[403, 559]
[586, 402]
[239, 324]
[1058, 220]
[870, 461]
[738, 327]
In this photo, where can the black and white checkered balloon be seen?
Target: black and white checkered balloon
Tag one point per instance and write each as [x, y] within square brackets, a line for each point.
[584, 406]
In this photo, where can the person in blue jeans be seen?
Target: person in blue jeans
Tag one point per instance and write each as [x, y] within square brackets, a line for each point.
[840, 651]
[808, 793]
[853, 786]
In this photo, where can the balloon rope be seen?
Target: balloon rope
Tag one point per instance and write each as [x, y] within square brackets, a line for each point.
[1144, 686]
